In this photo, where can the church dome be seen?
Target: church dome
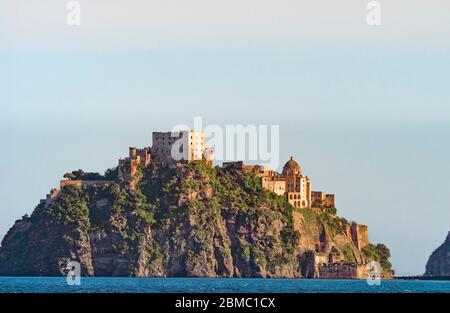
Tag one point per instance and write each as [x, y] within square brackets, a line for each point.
[291, 168]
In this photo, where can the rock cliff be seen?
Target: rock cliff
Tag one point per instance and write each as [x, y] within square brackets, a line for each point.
[439, 262]
[191, 221]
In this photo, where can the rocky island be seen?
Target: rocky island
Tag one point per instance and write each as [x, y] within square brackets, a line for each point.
[439, 262]
[152, 216]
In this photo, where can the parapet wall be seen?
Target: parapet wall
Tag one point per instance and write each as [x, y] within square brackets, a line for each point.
[343, 271]
[64, 183]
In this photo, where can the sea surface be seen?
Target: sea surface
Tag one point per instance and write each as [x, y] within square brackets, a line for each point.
[213, 285]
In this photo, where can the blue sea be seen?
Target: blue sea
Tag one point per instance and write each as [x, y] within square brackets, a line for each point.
[213, 285]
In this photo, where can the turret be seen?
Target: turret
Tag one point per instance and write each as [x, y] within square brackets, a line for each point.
[133, 152]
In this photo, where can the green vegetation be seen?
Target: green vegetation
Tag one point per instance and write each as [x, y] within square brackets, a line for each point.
[347, 251]
[379, 253]
[71, 208]
[244, 251]
[206, 196]
[186, 220]
[334, 224]
[110, 174]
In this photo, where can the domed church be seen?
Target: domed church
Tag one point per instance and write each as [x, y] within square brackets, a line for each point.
[289, 183]
[298, 187]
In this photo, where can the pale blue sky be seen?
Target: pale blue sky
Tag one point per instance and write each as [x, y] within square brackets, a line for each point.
[364, 110]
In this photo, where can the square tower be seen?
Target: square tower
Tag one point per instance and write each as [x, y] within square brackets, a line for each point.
[180, 147]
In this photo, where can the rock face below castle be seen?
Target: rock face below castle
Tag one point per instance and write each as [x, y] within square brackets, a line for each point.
[190, 221]
[439, 262]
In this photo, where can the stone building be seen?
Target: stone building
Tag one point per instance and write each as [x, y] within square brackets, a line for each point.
[290, 183]
[137, 157]
[270, 180]
[180, 147]
[298, 187]
[189, 144]
[331, 266]
[320, 199]
[274, 182]
[342, 271]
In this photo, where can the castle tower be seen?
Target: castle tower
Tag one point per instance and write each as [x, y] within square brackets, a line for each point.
[360, 235]
[180, 147]
[128, 166]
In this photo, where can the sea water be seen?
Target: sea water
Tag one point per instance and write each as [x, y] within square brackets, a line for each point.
[213, 285]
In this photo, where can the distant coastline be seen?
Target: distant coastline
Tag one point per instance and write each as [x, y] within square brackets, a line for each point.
[422, 277]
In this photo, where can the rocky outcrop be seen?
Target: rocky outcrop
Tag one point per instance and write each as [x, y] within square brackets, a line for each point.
[192, 221]
[439, 262]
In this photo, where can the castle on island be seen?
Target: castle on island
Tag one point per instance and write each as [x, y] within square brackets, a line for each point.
[290, 183]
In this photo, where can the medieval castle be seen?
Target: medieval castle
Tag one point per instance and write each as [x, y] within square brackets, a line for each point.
[290, 183]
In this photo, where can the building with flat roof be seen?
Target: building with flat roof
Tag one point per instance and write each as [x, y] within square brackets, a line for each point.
[180, 147]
